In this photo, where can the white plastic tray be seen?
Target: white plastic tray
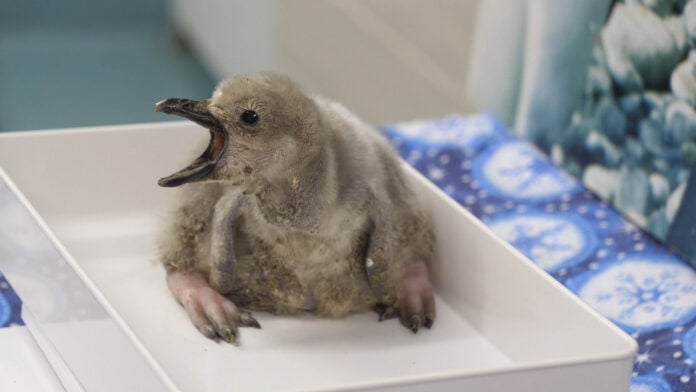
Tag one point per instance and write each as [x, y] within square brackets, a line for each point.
[503, 324]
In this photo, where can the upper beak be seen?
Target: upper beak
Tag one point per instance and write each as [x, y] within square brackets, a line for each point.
[197, 112]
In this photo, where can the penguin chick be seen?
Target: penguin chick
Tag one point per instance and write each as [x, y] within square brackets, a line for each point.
[295, 206]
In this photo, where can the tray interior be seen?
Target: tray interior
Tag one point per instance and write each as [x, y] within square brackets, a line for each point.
[496, 311]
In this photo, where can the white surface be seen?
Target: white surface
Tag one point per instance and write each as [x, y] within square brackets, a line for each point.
[23, 366]
[296, 353]
[232, 36]
[45, 348]
[91, 350]
[389, 60]
[503, 324]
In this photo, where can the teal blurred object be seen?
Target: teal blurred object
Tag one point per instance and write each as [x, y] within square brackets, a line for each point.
[78, 63]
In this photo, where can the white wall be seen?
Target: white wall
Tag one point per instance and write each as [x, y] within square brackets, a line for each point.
[230, 36]
[388, 60]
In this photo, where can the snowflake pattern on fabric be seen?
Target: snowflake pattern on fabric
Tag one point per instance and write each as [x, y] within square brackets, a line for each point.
[454, 130]
[649, 384]
[644, 297]
[519, 171]
[689, 343]
[641, 293]
[551, 240]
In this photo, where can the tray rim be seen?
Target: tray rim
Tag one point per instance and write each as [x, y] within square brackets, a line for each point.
[628, 352]
[94, 289]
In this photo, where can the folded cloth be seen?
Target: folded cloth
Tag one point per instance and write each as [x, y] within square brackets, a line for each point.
[611, 264]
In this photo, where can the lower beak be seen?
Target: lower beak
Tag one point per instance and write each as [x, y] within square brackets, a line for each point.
[197, 112]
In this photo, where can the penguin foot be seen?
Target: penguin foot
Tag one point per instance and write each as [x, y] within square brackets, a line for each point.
[416, 301]
[213, 314]
[386, 312]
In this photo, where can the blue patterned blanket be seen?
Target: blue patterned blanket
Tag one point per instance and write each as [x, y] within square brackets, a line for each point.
[549, 216]
[615, 267]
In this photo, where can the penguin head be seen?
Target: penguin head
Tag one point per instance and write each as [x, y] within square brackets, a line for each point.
[261, 125]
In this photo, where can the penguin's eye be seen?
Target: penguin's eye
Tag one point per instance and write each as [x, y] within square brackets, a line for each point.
[249, 117]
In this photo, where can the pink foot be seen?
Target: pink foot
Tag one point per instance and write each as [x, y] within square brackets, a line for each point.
[416, 301]
[415, 306]
[212, 313]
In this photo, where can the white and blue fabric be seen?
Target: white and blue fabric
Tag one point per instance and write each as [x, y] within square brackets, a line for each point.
[611, 264]
[10, 305]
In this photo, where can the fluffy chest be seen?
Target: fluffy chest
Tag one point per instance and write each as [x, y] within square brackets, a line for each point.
[284, 269]
[339, 238]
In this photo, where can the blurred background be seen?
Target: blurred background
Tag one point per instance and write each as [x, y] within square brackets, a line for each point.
[74, 63]
[79, 62]
[605, 87]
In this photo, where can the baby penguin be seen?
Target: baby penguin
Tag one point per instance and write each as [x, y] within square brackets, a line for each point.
[295, 206]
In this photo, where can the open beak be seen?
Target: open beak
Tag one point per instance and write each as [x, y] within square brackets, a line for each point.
[197, 112]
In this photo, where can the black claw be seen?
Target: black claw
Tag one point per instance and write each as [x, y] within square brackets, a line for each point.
[226, 333]
[232, 338]
[385, 312]
[380, 309]
[416, 323]
[388, 314]
[247, 320]
[428, 322]
[209, 332]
